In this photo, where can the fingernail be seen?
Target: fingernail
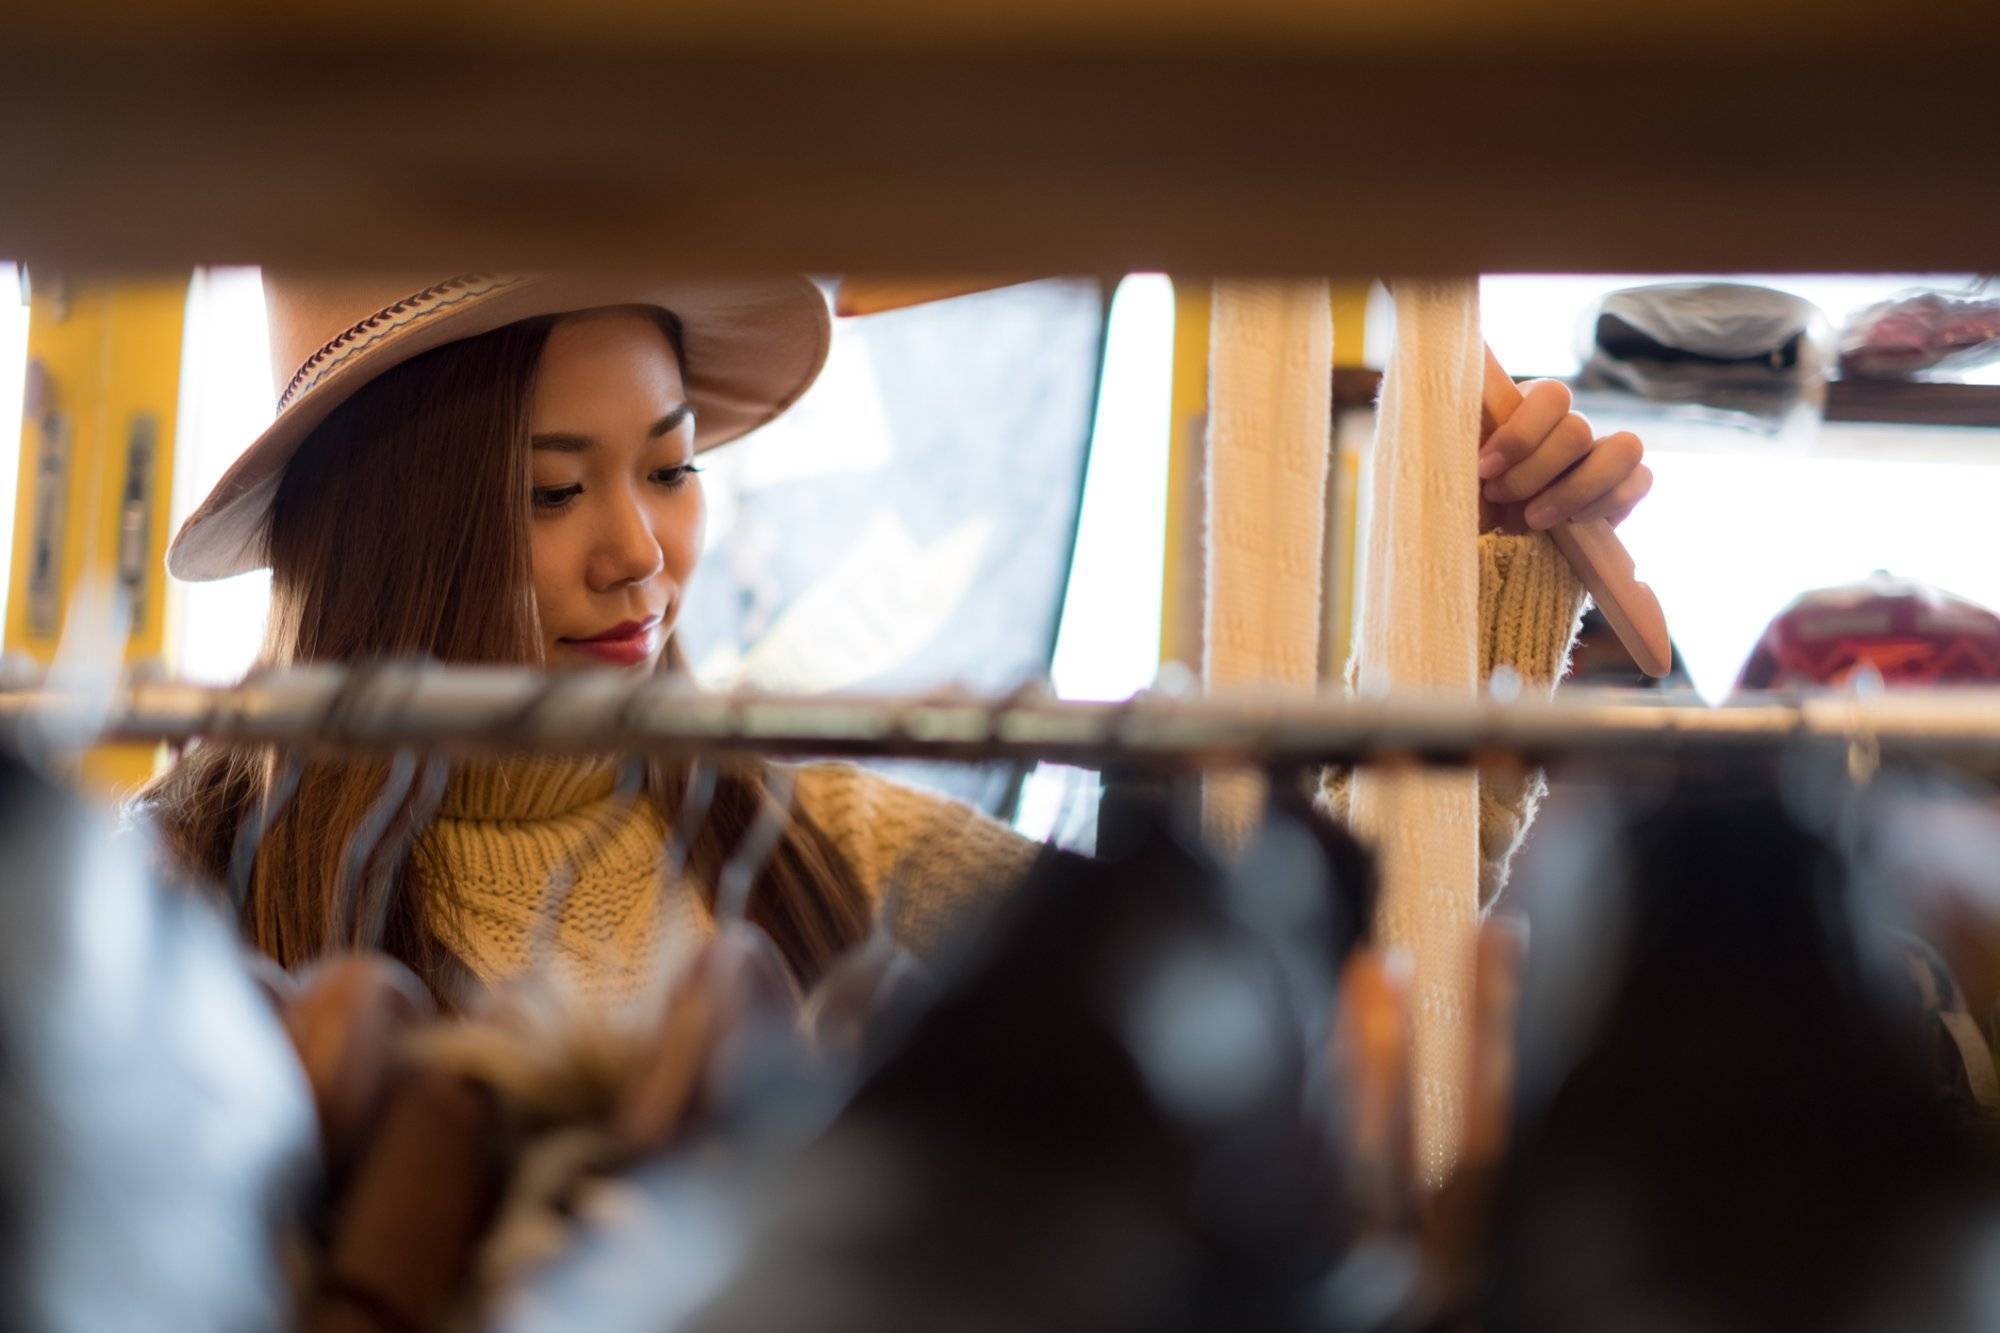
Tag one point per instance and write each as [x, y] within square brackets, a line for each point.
[1540, 515]
[1492, 463]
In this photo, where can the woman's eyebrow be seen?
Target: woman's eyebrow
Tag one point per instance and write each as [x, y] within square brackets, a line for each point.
[671, 422]
[563, 442]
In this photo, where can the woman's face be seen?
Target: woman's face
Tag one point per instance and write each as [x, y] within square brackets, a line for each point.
[617, 511]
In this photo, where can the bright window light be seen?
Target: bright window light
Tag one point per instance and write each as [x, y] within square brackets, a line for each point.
[1108, 646]
[226, 402]
[13, 378]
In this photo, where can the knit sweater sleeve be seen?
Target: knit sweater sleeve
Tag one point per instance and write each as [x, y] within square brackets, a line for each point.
[1529, 605]
[921, 857]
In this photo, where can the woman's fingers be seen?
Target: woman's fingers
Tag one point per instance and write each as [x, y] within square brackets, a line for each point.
[1543, 404]
[1565, 444]
[1616, 507]
[1605, 467]
[1541, 467]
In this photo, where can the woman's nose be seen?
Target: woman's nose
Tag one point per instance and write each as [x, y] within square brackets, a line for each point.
[628, 550]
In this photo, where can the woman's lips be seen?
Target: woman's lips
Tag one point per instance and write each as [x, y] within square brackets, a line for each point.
[627, 644]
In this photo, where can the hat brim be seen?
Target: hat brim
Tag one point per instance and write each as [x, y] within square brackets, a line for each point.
[754, 346]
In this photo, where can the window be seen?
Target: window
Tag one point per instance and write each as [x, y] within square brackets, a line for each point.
[226, 402]
[1109, 644]
[1740, 523]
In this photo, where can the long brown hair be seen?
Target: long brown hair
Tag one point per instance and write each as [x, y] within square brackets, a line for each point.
[401, 528]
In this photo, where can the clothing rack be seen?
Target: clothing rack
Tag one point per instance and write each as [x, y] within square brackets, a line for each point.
[470, 710]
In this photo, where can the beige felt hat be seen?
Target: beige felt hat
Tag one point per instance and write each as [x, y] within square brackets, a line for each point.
[754, 345]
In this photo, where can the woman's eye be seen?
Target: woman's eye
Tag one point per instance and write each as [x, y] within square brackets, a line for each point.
[673, 478]
[549, 498]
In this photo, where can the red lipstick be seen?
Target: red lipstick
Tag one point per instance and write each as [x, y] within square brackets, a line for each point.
[627, 643]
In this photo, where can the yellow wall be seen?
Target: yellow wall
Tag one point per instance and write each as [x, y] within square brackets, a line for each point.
[101, 356]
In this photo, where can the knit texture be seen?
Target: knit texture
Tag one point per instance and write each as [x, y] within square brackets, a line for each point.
[1420, 626]
[1529, 606]
[1270, 416]
[510, 835]
[1421, 629]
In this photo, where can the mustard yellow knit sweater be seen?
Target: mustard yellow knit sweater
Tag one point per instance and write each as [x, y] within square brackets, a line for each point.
[505, 829]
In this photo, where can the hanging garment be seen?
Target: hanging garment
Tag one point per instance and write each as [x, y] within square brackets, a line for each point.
[1420, 631]
[421, 1193]
[1729, 1115]
[1269, 421]
[1114, 1115]
[157, 1144]
[497, 1130]
[347, 1017]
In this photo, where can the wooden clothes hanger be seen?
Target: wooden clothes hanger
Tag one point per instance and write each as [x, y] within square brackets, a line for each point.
[1592, 549]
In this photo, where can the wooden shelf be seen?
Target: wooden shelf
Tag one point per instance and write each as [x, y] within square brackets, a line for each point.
[1913, 404]
[912, 138]
[1881, 402]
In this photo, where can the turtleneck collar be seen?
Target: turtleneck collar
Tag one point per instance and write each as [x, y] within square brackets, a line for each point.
[530, 787]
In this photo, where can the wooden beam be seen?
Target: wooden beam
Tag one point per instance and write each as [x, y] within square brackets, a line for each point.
[905, 139]
[1499, 30]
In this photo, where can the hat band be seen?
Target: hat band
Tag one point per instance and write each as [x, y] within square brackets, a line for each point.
[389, 321]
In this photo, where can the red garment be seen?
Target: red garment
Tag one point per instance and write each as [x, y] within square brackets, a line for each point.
[1911, 633]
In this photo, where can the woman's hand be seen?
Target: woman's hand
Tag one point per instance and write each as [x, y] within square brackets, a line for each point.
[1541, 467]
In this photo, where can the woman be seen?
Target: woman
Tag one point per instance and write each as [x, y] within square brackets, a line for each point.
[503, 469]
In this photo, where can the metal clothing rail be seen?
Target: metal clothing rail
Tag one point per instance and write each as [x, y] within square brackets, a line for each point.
[485, 710]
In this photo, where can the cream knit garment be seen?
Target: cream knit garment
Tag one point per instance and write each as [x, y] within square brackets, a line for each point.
[1529, 605]
[1420, 632]
[1269, 421]
[505, 828]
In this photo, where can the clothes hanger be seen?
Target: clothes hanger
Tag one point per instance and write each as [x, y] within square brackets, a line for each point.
[279, 791]
[359, 872]
[625, 791]
[736, 986]
[346, 1014]
[250, 835]
[1372, 1057]
[739, 874]
[865, 979]
[362, 888]
[349, 1011]
[875, 971]
[1499, 958]
[1593, 551]
[427, 795]
[697, 799]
